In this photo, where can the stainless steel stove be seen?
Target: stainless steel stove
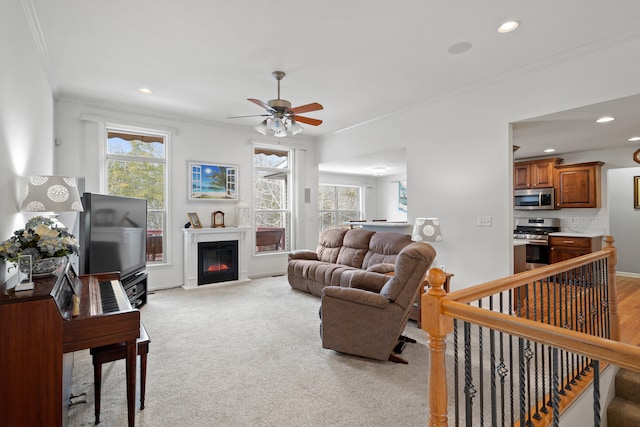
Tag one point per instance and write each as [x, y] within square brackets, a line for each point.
[536, 232]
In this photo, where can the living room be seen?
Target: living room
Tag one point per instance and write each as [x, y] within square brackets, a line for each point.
[458, 144]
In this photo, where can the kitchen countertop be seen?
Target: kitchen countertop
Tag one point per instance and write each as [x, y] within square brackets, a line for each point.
[573, 234]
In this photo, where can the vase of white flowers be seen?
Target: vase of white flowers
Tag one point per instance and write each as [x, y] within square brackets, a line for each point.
[46, 244]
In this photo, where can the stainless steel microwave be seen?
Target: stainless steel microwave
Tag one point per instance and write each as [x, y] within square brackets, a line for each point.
[534, 199]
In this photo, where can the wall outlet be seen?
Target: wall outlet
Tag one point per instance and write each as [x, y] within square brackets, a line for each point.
[484, 221]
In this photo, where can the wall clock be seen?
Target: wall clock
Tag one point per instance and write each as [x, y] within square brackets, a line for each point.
[636, 156]
[217, 219]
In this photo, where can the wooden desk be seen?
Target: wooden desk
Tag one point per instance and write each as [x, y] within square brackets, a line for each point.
[416, 310]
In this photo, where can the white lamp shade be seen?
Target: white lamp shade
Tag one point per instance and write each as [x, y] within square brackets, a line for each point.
[426, 230]
[51, 194]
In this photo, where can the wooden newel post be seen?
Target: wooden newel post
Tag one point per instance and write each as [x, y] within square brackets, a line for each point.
[436, 326]
[614, 317]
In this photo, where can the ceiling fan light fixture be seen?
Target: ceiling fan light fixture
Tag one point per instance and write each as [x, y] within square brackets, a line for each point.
[295, 128]
[378, 171]
[277, 124]
[262, 127]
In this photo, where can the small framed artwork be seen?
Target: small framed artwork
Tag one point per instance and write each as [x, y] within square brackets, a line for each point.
[194, 220]
[636, 192]
[213, 181]
[402, 196]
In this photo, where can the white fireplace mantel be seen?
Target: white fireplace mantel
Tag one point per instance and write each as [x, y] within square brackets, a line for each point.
[193, 236]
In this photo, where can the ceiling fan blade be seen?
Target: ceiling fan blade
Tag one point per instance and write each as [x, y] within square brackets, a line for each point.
[262, 104]
[314, 106]
[308, 120]
[252, 115]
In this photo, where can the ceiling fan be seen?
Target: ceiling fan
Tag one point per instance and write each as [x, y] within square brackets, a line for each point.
[281, 117]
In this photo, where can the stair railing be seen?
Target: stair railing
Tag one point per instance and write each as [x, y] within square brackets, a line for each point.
[527, 341]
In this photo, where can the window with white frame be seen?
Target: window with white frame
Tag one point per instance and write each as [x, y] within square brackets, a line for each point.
[136, 166]
[338, 204]
[272, 198]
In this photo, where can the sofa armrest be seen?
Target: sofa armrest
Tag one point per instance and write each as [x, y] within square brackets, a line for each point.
[383, 268]
[303, 254]
[367, 280]
[356, 296]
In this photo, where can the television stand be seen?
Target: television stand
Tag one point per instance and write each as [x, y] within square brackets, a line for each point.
[135, 287]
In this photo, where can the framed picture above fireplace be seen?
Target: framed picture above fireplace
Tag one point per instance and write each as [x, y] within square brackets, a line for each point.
[213, 181]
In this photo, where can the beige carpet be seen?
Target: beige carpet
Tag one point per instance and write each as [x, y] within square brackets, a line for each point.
[250, 354]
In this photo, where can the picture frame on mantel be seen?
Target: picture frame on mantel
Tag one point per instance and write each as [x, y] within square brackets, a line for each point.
[636, 192]
[194, 219]
[211, 181]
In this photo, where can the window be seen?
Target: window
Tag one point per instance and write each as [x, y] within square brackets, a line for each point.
[272, 198]
[338, 204]
[136, 167]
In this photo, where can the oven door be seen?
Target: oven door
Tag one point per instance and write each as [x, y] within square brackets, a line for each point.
[537, 254]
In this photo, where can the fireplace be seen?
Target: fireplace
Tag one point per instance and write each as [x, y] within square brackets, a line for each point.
[193, 237]
[217, 261]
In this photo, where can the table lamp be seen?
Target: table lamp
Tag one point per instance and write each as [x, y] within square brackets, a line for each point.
[426, 230]
[52, 194]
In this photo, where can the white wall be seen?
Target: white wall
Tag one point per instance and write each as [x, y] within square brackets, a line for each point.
[26, 116]
[78, 130]
[388, 198]
[625, 220]
[459, 155]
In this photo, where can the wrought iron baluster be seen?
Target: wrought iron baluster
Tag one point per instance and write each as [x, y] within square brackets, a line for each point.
[536, 415]
[555, 396]
[596, 393]
[456, 377]
[469, 389]
[521, 372]
[481, 370]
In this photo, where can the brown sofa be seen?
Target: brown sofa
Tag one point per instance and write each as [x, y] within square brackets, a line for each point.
[341, 252]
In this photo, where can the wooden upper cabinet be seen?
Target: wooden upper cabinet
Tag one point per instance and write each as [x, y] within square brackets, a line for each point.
[534, 173]
[578, 185]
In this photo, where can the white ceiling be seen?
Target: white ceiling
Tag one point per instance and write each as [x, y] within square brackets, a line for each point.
[361, 59]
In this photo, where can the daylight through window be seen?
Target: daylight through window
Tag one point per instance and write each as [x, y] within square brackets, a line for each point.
[136, 167]
[271, 198]
[337, 205]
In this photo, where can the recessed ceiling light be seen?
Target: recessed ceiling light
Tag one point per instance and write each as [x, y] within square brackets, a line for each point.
[634, 139]
[461, 47]
[145, 90]
[605, 119]
[508, 26]
[550, 150]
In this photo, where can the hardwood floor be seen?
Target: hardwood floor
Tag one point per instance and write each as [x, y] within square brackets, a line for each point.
[629, 308]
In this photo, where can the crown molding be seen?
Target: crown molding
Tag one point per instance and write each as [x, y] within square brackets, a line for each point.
[41, 45]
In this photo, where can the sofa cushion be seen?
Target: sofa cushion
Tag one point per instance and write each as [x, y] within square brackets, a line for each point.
[330, 244]
[354, 247]
[384, 247]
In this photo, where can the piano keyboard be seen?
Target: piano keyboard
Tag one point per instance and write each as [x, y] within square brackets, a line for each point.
[110, 298]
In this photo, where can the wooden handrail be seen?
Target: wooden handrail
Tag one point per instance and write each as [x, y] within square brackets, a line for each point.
[440, 308]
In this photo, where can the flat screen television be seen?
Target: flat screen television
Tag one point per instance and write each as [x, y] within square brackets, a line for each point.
[112, 235]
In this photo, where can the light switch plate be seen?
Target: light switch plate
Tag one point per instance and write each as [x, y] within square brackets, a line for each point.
[484, 221]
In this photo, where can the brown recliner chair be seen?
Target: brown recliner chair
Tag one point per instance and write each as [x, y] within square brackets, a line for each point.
[368, 318]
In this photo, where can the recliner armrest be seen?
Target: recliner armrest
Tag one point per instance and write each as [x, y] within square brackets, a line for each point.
[368, 281]
[303, 254]
[357, 296]
[383, 268]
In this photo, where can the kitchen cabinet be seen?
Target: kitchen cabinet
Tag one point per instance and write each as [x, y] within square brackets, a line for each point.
[562, 248]
[534, 173]
[578, 185]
